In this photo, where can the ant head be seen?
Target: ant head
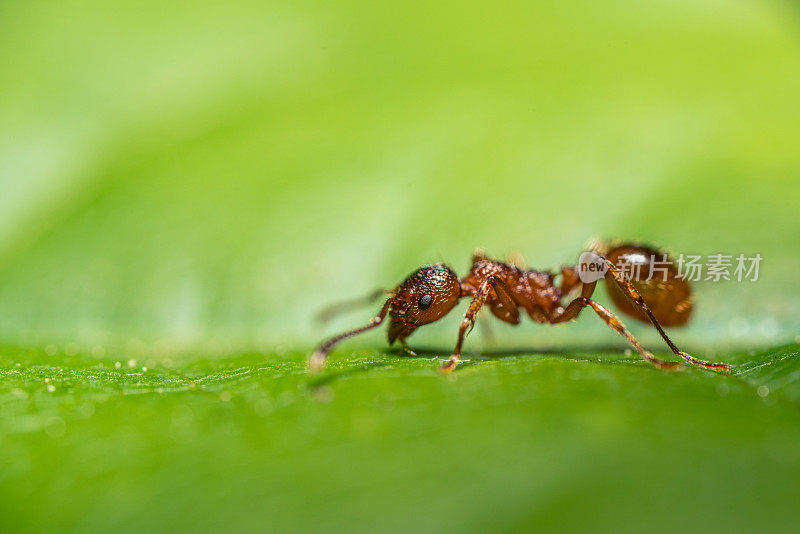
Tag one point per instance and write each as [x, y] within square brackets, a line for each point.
[428, 294]
[656, 277]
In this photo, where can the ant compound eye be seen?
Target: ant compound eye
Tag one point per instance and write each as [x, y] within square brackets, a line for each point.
[425, 302]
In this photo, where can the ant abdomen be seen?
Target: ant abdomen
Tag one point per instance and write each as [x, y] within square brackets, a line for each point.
[655, 275]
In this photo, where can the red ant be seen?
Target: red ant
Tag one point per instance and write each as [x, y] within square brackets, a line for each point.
[432, 291]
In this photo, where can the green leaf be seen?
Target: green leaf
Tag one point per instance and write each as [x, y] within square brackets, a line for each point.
[383, 442]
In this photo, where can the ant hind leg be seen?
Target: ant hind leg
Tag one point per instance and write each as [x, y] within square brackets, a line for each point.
[630, 291]
[576, 306]
[613, 321]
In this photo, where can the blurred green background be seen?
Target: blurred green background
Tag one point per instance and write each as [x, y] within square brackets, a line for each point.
[184, 185]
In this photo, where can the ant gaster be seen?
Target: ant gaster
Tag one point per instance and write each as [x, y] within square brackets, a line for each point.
[432, 291]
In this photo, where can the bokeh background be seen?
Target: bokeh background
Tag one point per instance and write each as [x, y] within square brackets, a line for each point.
[200, 177]
[198, 174]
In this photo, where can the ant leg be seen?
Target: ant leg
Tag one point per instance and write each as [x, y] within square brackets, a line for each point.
[570, 280]
[630, 291]
[576, 306]
[318, 358]
[405, 347]
[503, 294]
[329, 312]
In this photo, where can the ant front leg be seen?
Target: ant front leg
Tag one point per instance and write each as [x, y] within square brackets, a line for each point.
[405, 347]
[630, 291]
[503, 295]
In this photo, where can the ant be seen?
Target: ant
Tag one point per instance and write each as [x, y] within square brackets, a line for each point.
[432, 291]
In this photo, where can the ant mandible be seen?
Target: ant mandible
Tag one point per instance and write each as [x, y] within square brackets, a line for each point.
[432, 291]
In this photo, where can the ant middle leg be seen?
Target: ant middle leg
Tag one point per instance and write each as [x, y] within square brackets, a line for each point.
[503, 295]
